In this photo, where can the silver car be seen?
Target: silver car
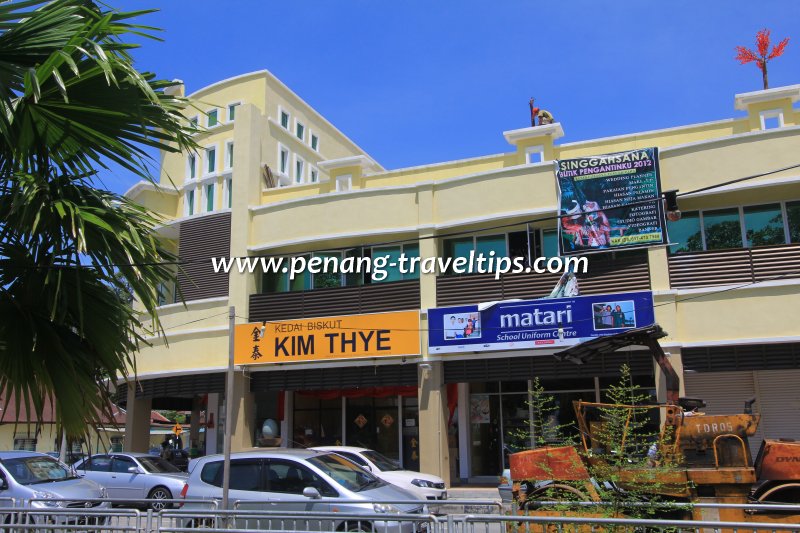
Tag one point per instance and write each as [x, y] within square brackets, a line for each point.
[134, 477]
[283, 480]
[48, 484]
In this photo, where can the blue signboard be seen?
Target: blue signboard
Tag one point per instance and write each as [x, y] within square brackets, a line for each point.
[549, 322]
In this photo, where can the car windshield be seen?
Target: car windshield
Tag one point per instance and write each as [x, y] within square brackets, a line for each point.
[345, 473]
[157, 465]
[383, 463]
[32, 470]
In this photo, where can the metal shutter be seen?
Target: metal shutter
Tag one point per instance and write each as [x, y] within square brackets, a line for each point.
[779, 403]
[725, 394]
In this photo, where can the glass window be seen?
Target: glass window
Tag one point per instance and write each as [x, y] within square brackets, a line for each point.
[211, 472]
[190, 202]
[298, 170]
[314, 175]
[300, 131]
[100, 463]
[345, 473]
[723, 229]
[157, 465]
[491, 243]
[793, 214]
[245, 474]
[275, 282]
[211, 160]
[213, 118]
[285, 119]
[232, 112]
[763, 225]
[411, 251]
[291, 478]
[460, 247]
[210, 197]
[302, 281]
[36, 469]
[122, 464]
[353, 279]
[230, 155]
[549, 245]
[314, 142]
[391, 254]
[284, 163]
[192, 166]
[685, 233]
[328, 277]
[230, 192]
[194, 121]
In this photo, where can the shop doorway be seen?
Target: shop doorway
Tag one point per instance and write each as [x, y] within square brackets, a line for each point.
[373, 423]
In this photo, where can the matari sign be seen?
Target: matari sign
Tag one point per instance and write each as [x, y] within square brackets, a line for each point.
[326, 338]
[610, 201]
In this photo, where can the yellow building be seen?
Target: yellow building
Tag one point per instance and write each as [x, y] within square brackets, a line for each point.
[275, 179]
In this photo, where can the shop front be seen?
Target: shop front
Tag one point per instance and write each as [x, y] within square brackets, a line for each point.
[494, 358]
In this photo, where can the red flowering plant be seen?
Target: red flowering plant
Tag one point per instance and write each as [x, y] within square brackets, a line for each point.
[762, 55]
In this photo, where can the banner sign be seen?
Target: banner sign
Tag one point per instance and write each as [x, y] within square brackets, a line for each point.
[549, 322]
[322, 339]
[610, 201]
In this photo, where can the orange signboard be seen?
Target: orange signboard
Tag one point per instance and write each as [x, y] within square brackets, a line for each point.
[327, 338]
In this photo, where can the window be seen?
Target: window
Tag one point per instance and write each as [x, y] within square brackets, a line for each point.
[344, 183]
[723, 229]
[211, 160]
[313, 175]
[212, 118]
[793, 217]
[291, 478]
[25, 443]
[210, 197]
[300, 130]
[327, 277]
[122, 464]
[534, 154]
[229, 190]
[685, 233]
[392, 255]
[283, 160]
[280, 282]
[194, 121]
[229, 155]
[99, 463]
[245, 474]
[771, 119]
[116, 444]
[314, 142]
[284, 119]
[192, 166]
[190, 202]
[763, 225]
[299, 166]
[232, 111]
[463, 246]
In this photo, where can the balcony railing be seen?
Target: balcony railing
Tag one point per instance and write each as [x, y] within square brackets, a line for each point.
[607, 273]
[374, 298]
[734, 266]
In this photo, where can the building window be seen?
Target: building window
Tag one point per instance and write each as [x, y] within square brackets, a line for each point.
[232, 111]
[763, 225]
[313, 175]
[284, 119]
[229, 155]
[685, 233]
[283, 160]
[299, 166]
[212, 118]
[723, 229]
[300, 130]
[210, 197]
[192, 166]
[534, 154]
[279, 281]
[392, 253]
[25, 444]
[194, 121]
[771, 119]
[211, 160]
[314, 142]
[464, 246]
[229, 192]
[190, 202]
[793, 219]
[344, 182]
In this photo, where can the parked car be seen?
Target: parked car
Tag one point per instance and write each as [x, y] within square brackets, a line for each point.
[298, 480]
[134, 477]
[425, 486]
[50, 484]
[71, 458]
[178, 457]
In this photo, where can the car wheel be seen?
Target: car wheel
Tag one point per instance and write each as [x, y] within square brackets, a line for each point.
[159, 494]
[356, 527]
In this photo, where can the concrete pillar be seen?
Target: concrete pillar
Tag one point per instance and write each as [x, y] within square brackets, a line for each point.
[244, 413]
[659, 268]
[137, 421]
[433, 414]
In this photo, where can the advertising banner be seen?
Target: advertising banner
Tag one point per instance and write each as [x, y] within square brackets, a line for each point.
[536, 323]
[327, 338]
[610, 201]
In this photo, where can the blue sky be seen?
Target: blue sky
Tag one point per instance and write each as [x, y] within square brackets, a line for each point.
[419, 81]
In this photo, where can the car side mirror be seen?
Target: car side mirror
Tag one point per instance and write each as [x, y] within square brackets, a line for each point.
[134, 470]
[311, 493]
[368, 468]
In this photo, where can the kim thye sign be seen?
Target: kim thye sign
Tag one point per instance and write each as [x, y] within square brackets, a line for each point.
[326, 338]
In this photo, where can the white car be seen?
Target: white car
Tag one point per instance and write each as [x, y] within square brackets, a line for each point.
[426, 486]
